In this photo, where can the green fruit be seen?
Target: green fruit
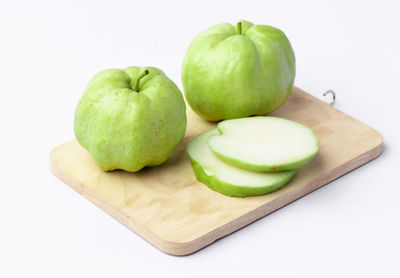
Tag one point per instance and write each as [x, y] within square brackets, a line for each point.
[233, 72]
[129, 119]
[227, 179]
[265, 144]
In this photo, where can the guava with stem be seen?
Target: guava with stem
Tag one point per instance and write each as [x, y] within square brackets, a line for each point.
[132, 118]
[238, 71]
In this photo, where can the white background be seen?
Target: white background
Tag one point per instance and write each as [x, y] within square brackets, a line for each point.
[48, 52]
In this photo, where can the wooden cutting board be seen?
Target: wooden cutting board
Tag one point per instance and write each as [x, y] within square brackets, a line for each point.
[169, 208]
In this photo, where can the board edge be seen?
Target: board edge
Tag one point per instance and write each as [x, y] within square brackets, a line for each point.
[292, 196]
[189, 247]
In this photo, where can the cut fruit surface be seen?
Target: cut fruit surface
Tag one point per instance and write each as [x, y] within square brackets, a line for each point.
[264, 144]
[227, 179]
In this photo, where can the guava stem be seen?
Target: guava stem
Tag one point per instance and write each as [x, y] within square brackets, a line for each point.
[135, 86]
[239, 28]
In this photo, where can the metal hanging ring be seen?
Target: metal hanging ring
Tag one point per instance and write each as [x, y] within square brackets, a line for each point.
[332, 102]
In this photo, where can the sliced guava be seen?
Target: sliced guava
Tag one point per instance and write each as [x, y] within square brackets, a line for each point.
[227, 179]
[264, 144]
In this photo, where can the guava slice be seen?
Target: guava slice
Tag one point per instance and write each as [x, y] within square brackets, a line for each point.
[227, 179]
[264, 144]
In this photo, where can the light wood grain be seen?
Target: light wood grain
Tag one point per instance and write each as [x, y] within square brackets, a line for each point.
[169, 208]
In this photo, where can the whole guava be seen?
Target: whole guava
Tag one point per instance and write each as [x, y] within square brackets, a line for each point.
[129, 119]
[237, 72]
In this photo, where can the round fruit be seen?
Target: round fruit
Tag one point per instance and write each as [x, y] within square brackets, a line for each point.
[233, 72]
[129, 119]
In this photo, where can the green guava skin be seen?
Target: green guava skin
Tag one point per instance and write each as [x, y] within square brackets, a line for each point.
[213, 180]
[231, 190]
[294, 165]
[227, 75]
[125, 129]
